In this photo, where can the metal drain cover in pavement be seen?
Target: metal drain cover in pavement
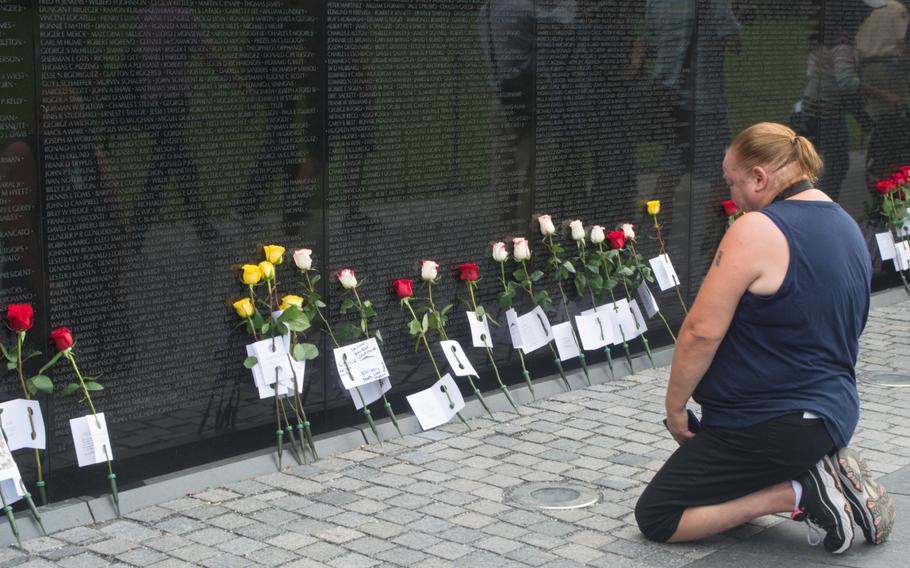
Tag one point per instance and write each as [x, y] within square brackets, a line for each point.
[887, 379]
[555, 495]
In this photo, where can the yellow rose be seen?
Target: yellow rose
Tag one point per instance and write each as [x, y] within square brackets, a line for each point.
[653, 207]
[251, 274]
[273, 253]
[266, 270]
[290, 300]
[244, 307]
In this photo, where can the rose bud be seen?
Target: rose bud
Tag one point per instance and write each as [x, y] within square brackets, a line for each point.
[653, 207]
[468, 272]
[19, 317]
[546, 225]
[267, 270]
[403, 288]
[617, 239]
[729, 207]
[62, 338]
[885, 186]
[429, 270]
[597, 234]
[906, 171]
[251, 274]
[578, 230]
[899, 178]
[303, 259]
[628, 230]
[244, 307]
[500, 254]
[273, 253]
[290, 300]
[347, 278]
[520, 250]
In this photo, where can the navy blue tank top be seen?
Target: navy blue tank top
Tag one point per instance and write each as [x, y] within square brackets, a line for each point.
[796, 349]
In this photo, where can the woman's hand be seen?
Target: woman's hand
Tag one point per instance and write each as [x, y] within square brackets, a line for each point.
[678, 425]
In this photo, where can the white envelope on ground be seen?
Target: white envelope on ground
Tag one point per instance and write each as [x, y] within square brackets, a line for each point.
[480, 331]
[437, 404]
[10, 478]
[564, 338]
[647, 298]
[458, 360]
[534, 329]
[664, 272]
[595, 329]
[885, 245]
[91, 440]
[371, 392]
[23, 424]
[360, 363]
[514, 333]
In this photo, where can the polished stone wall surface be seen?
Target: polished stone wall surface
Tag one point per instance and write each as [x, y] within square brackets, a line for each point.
[149, 146]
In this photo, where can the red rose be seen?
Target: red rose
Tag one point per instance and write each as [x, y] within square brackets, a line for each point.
[617, 239]
[906, 171]
[885, 186]
[403, 288]
[468, 272]
[62, 338]
[19, 317]
[899, 178]
[729, 207]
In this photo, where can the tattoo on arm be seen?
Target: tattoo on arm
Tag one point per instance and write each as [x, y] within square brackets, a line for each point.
[717, 258]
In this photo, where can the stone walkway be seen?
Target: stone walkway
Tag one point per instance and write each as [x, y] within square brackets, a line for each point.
[442, 498]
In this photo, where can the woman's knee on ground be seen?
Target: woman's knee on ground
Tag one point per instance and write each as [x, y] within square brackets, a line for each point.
[655, 521]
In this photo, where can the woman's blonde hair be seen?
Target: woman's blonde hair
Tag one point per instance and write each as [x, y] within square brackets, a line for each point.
[775, 146]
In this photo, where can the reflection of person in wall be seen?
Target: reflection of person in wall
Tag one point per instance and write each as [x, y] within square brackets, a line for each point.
[881, 49]
[689, 41]
[167, 37]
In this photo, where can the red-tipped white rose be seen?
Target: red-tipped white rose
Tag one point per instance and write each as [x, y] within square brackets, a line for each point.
[303, 259]
[628, 230]
[546, 225]
[521, 252]
[500, 254]
[347, 279]
[578, 230]
[429, 270]
[597, 234]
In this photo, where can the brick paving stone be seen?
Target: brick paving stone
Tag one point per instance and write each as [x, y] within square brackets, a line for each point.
[449, 550]
[142, 556]
[403, 557]
[84, 560]
[35, 563]
[112, 546]
[353, 560]
[193, 552]
[225, 560]
[241, 545]
[12, 557]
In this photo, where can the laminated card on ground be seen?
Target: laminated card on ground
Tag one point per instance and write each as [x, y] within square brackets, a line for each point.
[458, 360]
[565, 341]
[360, 363]
[438, 404]
[90, 439]
[23, 424]
[480, 331]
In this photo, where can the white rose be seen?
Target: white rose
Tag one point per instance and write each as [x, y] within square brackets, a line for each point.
[628, 230]
[302, 259]
[546, 225]
[597, 234]
[500, 254]
[429, 270]
[578, 230]
[347, 279]
[520, 250]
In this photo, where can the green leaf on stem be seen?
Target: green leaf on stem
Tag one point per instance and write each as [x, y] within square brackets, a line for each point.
[11, 364]
[93, 386]
[519, 275]
[446, 309]
[53, 360]
[569, 266]
[368, 310]
[346, 305]
[505, 299]
[480, 312]
[315, 278]
[536, 275]
[597, 282]
[592, 268]
[581, 281]
[68, 390]
[305, 352]
[348, 331]
[425, 323]
[300, 324]
[3, 349]
[250, 362]
[30, 354]
[378, 335]
[319, 304]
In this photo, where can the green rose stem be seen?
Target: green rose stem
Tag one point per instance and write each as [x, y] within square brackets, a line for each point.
[426, 344]
[442, 334]
[663, 250]
[607, 351]
[530, 291]
[502, 386]
[366, 332]
[20, 337]
[621, 332]
[297, 407]
[288, 429]
[111, 476]
[638, 327]
[662, 318]
[565, 303]
[303, 425]
[521, 355]
[25, 494]
[11, 519]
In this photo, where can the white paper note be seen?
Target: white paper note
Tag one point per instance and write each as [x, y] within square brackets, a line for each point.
[23, 424]
[10, 479]
[595, 330]
[91, 440]
[902, 255]
[565, 341]
[623, 321]
[647, 298]
[370, 392]
[905, 229]
[480, 331]
[271, 355]
[534, 329]
[437, 404]
[360, 363]
[664, 272]
[639, 319]
[885, 245]
[458, 360]
[514, 333]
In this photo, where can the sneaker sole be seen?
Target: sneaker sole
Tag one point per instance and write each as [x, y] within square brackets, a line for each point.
[873, 508]
[832, 496]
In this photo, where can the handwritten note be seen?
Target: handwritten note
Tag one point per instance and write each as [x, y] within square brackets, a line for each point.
[647, 298]
[360, 363]
[480, 331]
[23, 424]
[664, 272]
[437, 404]
[564, 338]
[458, 360]
[90, 439]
